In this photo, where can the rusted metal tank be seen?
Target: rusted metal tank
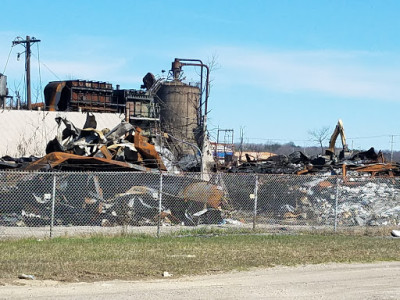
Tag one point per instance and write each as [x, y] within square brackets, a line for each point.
[3, 90]
[179, 104]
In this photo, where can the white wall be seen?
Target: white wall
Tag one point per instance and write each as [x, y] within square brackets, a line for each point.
[25, 133]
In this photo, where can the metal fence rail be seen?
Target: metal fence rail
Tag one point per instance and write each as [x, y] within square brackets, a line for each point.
[60, 203]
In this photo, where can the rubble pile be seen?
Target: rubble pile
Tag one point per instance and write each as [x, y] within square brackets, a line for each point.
[359, 202]
[299, 163]
[121, 148]
[109, 200]
[370, 204]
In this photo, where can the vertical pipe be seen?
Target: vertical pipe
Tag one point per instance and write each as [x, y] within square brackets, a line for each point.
[127, 114]
[255, 203]
[53, 200]
[336, 202]
[159, 205]
[216, 157]
[201, 93]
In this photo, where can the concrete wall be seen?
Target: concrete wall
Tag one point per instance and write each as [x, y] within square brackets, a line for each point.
[25, 133]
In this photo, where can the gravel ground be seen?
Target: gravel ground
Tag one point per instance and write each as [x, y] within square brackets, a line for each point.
[330, 281]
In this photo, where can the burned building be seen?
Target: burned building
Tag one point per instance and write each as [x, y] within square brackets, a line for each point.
[96, 96]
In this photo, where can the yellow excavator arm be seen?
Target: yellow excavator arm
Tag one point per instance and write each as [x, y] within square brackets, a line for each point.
[339, 129]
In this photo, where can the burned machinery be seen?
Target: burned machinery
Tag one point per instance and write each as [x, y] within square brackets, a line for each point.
[140, 109]
[80, 95]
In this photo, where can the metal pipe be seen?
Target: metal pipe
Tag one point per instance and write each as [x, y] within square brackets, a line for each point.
[207, 82]
[159, 205]
[255, 203]
[176, 69]
[177, 64]
[336, 203]
[53, 200]
[201, 83]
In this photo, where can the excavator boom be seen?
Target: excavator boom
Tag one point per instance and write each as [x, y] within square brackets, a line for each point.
[339, 129]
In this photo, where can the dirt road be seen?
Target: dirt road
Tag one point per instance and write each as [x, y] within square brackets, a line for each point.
[332, 281]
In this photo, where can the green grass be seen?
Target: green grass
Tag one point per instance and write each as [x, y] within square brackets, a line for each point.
[145, 257]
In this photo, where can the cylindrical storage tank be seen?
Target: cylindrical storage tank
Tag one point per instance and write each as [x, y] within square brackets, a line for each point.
[179, 104]
[3, 86]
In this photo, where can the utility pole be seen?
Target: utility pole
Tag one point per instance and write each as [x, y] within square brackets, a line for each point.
[241, 144]
[391, 150]
[27, 44]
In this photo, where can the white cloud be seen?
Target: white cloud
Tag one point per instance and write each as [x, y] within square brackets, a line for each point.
[353, 74]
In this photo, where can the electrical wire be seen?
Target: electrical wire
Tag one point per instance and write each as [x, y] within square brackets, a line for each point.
[348, 138]
[40, 75]
[8, 58]
[41, 62]
[372, 137]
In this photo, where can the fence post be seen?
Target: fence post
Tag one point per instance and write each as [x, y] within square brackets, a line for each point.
[53, 200]
[255, 203]
[336, 202]
[159, 204]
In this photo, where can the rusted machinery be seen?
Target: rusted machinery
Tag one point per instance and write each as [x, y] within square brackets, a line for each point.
[140, 108]
[74, 95]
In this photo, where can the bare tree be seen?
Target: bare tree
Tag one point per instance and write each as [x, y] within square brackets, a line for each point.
[319, 136]
[37, 93]
[213, 66]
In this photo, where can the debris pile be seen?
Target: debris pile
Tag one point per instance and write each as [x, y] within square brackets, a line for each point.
[121, 148]
[359, 202]
[109, 200]
[299, 163]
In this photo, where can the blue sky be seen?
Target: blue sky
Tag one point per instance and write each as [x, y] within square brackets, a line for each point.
[284, 67]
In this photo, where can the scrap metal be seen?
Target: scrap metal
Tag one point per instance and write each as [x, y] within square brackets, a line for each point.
[360, 162]
[121, 148]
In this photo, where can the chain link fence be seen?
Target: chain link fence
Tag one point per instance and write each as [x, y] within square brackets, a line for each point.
[68, 203]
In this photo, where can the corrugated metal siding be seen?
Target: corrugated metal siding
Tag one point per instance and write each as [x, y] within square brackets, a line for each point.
[25, 133]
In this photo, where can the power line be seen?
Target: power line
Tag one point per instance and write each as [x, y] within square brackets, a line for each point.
[40, 74]
[308, 140]
[8, 58]
[273, 139]
[41, 62]
[373, 136]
